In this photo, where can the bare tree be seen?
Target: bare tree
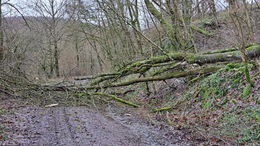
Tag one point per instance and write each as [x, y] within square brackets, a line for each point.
[244, 33]
[1, 34]
[52, 16]
[7, 3]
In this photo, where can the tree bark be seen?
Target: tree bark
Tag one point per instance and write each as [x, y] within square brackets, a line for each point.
[1, 34]
[56, 60]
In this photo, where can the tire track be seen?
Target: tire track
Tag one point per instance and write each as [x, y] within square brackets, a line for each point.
[80, 126]
[61, 127]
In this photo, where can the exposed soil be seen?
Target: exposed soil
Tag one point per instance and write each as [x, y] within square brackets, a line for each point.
[71, 126]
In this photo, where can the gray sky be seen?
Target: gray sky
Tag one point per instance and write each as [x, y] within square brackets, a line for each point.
[22, 5]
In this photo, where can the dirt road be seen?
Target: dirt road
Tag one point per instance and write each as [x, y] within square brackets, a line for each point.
[81, 126]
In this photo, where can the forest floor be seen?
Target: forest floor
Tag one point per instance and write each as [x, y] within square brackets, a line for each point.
[26, 122]
[23, 124]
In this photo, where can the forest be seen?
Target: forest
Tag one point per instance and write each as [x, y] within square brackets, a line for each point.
[129, 72]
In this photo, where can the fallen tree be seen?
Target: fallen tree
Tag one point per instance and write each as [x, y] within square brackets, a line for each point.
[178, 64]
[172, 65]
[176, 74]
[160, 68]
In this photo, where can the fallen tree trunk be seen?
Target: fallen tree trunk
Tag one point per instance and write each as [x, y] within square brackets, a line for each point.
[140, 67]
[181, 66]
[252, 51]
[177, 74]
[201, 30]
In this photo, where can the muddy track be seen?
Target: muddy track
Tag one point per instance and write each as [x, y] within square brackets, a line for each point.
[80, 126]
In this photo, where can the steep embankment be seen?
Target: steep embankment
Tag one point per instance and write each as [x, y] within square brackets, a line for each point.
[221, 107]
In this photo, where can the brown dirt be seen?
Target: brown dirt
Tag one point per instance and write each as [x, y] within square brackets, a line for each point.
[80, 126]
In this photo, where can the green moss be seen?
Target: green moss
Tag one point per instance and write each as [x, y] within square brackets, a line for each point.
[176, 54]
[234, 101]
[206, 104]
[2, 111]
[253, 46]
[196, 79]
[157, 58]
[163, 109]
[81, 94]
[116, 98]
[191, 57]
[201, 30]
[233, 50]
[233, 65]
[217, 55]
[134, 64]
[221, 51]
[201, 22]
[246, 90]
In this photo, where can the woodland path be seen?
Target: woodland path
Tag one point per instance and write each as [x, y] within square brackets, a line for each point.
[81, 126]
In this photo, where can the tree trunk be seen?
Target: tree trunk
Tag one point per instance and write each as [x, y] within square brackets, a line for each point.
[56, 60]
[238, 21]
[1, 34]
[212, 7]
[134, 14]
[198, 7]
[248, 20]
[167, 26]
[77, 51]
[177, 74]
[232, 3]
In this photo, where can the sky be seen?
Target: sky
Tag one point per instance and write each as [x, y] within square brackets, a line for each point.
[22, 6]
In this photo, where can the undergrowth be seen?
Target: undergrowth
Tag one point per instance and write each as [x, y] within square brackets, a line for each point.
[222, 106]
[227, 94]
